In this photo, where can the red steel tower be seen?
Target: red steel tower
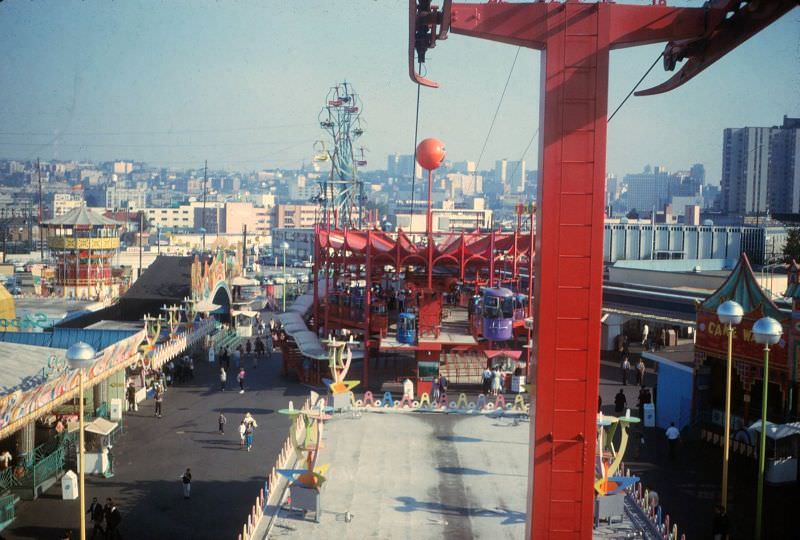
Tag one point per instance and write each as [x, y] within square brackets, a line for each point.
[576, 39]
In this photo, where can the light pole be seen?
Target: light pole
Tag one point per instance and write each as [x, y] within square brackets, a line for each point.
[284, 247]
[729, 313]
[766, 331]
[80, 356]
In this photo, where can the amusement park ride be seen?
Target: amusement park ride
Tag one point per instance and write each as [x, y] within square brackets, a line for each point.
[576, 39]
[341, 193]
[394, 290]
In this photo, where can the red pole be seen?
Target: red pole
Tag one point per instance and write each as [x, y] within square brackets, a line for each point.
[491, 258]
[367, 303]
[429, 228]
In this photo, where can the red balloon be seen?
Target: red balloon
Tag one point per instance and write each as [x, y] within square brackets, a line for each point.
[430, 154]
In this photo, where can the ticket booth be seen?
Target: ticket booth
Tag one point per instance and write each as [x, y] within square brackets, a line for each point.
[427, 356]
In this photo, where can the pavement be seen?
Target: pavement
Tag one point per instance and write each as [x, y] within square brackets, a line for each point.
[420, 476]
[154, 452]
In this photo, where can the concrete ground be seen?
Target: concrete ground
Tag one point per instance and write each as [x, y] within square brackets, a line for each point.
[154, 452]
[419, 476]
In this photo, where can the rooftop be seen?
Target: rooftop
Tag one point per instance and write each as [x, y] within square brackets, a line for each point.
[82, 216]
[24, 366]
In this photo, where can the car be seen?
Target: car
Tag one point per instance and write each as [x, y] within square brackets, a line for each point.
[308, 264]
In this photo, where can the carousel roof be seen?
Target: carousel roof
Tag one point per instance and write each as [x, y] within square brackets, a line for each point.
[82, 216]
[742, 287]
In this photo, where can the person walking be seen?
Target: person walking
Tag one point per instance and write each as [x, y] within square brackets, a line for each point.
[113, 519]
[487, 380]
[212, 355]
[248, 347]
[242, 430]
[97, 515]
[222, 421]
[435, 391]
[159, 397]
[240, 378]
[645, 332]
[248, 436]
[640, 372]
[226, 358]
[223, 378]
[620, 401]
[673, 438]
[186, 479]
[625, 367]
[130, 393]
[443, 384]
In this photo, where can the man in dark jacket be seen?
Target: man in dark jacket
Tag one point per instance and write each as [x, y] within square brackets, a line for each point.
[96, 514]
[113, 519]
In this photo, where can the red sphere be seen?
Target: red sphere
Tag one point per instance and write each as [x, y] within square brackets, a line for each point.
[430, 154]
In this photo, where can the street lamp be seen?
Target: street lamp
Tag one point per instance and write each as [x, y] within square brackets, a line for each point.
[729, 313]
[80, 356]
[766, 331]
[284, 247]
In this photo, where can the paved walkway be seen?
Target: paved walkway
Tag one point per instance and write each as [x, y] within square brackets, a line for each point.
[419, 475]
[153, 453]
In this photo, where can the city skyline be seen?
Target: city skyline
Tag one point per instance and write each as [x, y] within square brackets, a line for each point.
[81, 84]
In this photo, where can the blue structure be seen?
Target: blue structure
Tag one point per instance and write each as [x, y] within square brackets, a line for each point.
[673, 399]
[498, 314]
[407, 328]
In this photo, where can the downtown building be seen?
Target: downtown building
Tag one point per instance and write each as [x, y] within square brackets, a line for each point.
[760, 174]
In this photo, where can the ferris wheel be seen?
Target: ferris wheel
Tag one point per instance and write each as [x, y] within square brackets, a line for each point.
[341, 192]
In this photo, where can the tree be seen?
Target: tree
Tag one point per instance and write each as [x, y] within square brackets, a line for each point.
[791, 250]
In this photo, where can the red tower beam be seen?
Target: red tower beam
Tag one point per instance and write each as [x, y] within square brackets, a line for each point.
[577, 39]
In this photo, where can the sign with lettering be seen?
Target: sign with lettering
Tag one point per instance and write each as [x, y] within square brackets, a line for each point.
[712, 338]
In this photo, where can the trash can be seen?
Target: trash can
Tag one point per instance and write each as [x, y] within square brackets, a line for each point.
[69, 486]
[649, 415]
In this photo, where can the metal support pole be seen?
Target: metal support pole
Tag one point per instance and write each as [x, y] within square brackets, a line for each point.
[284, 280]
[41, 238]
[762, 447]
[727, 445]
[141, 232]
[81, 495]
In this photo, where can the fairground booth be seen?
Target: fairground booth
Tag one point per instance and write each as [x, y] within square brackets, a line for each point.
[748, 376]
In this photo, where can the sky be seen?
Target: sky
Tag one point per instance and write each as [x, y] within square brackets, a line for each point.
[240, 83]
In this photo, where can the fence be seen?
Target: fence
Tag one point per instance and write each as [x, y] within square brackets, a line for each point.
[463, 368]
[647, 505]
[275, 487]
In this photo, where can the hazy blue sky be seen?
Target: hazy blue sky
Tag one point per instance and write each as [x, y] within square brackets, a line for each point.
[241, 82]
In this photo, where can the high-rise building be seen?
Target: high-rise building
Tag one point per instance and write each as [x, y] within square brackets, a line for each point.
[759, 169]
[784, 169]
[392, 164]
[501, 171]
[406, 166]
[745, 162]
[647, 190]
[515, 176]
